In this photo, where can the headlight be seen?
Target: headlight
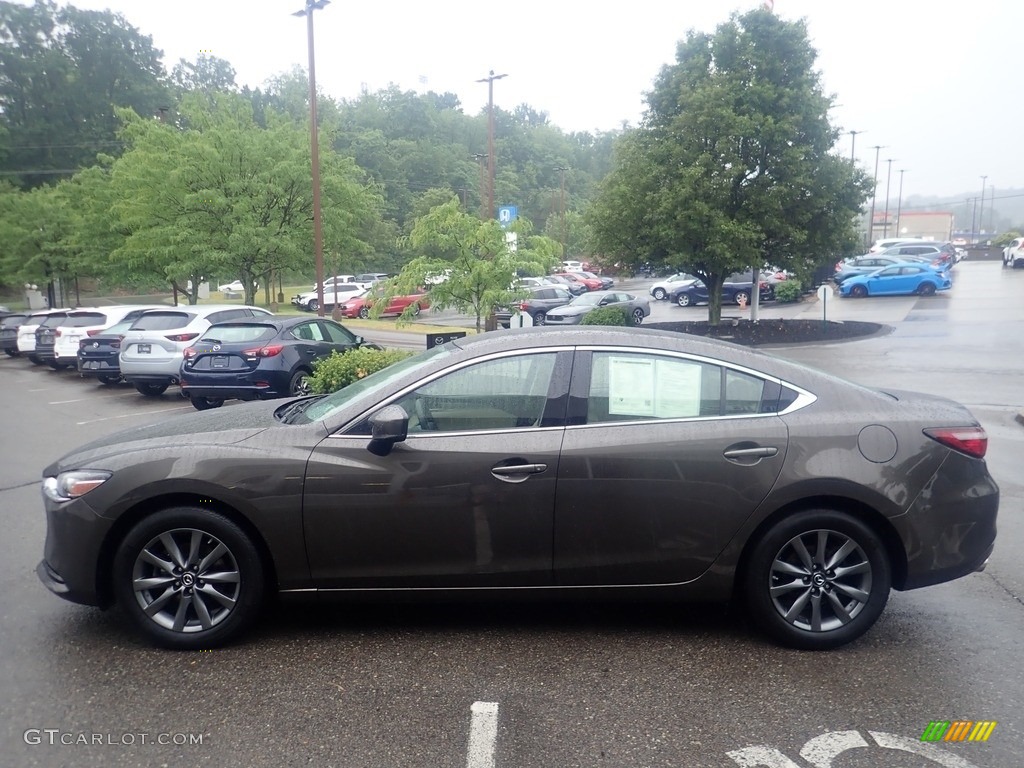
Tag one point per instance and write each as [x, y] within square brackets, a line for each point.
[70, 485]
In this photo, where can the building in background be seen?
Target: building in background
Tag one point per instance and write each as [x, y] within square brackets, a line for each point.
[929, 225]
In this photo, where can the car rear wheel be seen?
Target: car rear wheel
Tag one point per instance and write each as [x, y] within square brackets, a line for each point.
[817, 579]
[659, 294]
[741, 297]
[926, 289]
[11, 352]
[859, 291]
[206, 403]
[150, 390]
[683, 300]
[109, 380]
[58, 366]
[539, 318]
[35, 360]
[299, 384]
[638, 316]
[189, 578]
[415, 309]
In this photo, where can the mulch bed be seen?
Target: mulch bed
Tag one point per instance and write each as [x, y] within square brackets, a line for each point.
[774, 331]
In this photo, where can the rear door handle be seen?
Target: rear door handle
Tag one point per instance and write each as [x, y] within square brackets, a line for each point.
[751, 453]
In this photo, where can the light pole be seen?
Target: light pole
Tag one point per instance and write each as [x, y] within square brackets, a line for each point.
[974, 220]
[888, 179]
[853, 144]
[899, 205]
[561, 170]
[491, 77]
[981, 213]
[314, 150]
[871, 221]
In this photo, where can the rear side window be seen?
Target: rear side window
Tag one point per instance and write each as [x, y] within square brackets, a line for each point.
[162, 321]
[12, 321]
[53, 321]
[230, 334]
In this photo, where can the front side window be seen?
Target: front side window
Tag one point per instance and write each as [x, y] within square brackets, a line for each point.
[506, 393]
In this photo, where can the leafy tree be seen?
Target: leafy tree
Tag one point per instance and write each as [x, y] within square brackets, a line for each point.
[471, 269]
[62, 73]
[732, 166]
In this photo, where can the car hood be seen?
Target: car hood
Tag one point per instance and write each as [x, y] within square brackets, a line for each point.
[224, 426]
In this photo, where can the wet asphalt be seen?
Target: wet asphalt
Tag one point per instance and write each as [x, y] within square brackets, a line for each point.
[577, 685]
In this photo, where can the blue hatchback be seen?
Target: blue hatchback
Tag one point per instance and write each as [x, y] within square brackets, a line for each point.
[259, 359]
[897, 280]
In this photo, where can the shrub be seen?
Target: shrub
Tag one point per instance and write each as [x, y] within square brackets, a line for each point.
[788, 290]
[339, 370]
[606, 316]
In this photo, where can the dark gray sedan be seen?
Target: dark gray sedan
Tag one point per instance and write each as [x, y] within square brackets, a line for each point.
[635, 307]
[603, 461]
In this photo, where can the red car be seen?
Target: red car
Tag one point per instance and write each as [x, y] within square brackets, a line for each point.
[592, 284]
[360, 305]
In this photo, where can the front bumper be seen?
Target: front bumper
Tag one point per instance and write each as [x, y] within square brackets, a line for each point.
[71, 556]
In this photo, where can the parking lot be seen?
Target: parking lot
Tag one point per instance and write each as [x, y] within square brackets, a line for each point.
[527, 685]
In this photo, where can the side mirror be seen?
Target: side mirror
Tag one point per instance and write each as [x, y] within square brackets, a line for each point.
[388, 426]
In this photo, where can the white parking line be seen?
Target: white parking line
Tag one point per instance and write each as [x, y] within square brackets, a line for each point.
[129, 415]
[483, 732]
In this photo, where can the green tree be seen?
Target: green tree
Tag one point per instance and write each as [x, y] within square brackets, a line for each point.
[471, 267]
[733, 165]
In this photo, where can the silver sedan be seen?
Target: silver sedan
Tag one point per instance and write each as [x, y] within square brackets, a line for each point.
[636, 307]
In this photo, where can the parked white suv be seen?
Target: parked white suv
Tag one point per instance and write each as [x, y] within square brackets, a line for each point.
[153, 348]
[1013, 254]
[333, 293]
[82, 323]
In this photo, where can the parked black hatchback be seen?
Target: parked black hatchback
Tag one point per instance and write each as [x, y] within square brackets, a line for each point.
[259, 360]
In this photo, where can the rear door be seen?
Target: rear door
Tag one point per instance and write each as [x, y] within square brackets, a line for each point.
[664, 458]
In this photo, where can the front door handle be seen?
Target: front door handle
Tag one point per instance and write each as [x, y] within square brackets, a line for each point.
[517, 473]
[750, 453]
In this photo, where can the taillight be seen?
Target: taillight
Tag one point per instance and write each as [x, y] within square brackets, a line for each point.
[268, 351]
[183, 336]
[93, 333]
[523, 306]
[189, 352]
[972, 441]
[56, 331]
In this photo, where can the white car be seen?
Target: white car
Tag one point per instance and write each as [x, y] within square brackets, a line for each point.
[83, 323]
[1013, 254]
[236, 287]
[661, 289]
[152, 350]
[337, 293]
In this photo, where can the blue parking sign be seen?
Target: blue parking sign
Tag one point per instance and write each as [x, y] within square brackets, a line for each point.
[507, 214]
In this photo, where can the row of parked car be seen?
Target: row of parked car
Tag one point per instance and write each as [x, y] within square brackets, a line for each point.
[686, 290]
[903, 268]
[215, 352]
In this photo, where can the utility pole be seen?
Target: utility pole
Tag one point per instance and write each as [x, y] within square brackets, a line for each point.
[885, 228]
[491, 77]
[981, 213]
[480, 157]
[561, 170]
[899, 205]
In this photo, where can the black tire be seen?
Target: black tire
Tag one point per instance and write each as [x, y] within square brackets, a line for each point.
[638, 316]
[11, 352]
[858, 291]
[364, 312]
[313, 305]
[926, 289]
[741, 297]
[108, 380]
[299, 384]
[57, 366]
[206, 403]
[684, 300]
[782, 601]
[660, 294]
[212, 611]
[150, 390]
[35, 360]
[540, 317]
[415, 309]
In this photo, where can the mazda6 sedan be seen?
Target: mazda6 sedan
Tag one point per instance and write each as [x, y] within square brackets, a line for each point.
[619, 462]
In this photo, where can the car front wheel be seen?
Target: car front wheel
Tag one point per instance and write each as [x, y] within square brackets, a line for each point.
[817, 579]
[859, 291]
[313, 305]
[189, 578]
[539, 318]
[364, 312]
[926, 289]
[741, 297]
[659, 294]
[683, 300]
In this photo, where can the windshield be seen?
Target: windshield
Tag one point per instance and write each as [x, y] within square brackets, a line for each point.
[236, 333]
[369, 387]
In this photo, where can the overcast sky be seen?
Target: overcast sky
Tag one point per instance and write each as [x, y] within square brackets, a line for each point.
[935, 83]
